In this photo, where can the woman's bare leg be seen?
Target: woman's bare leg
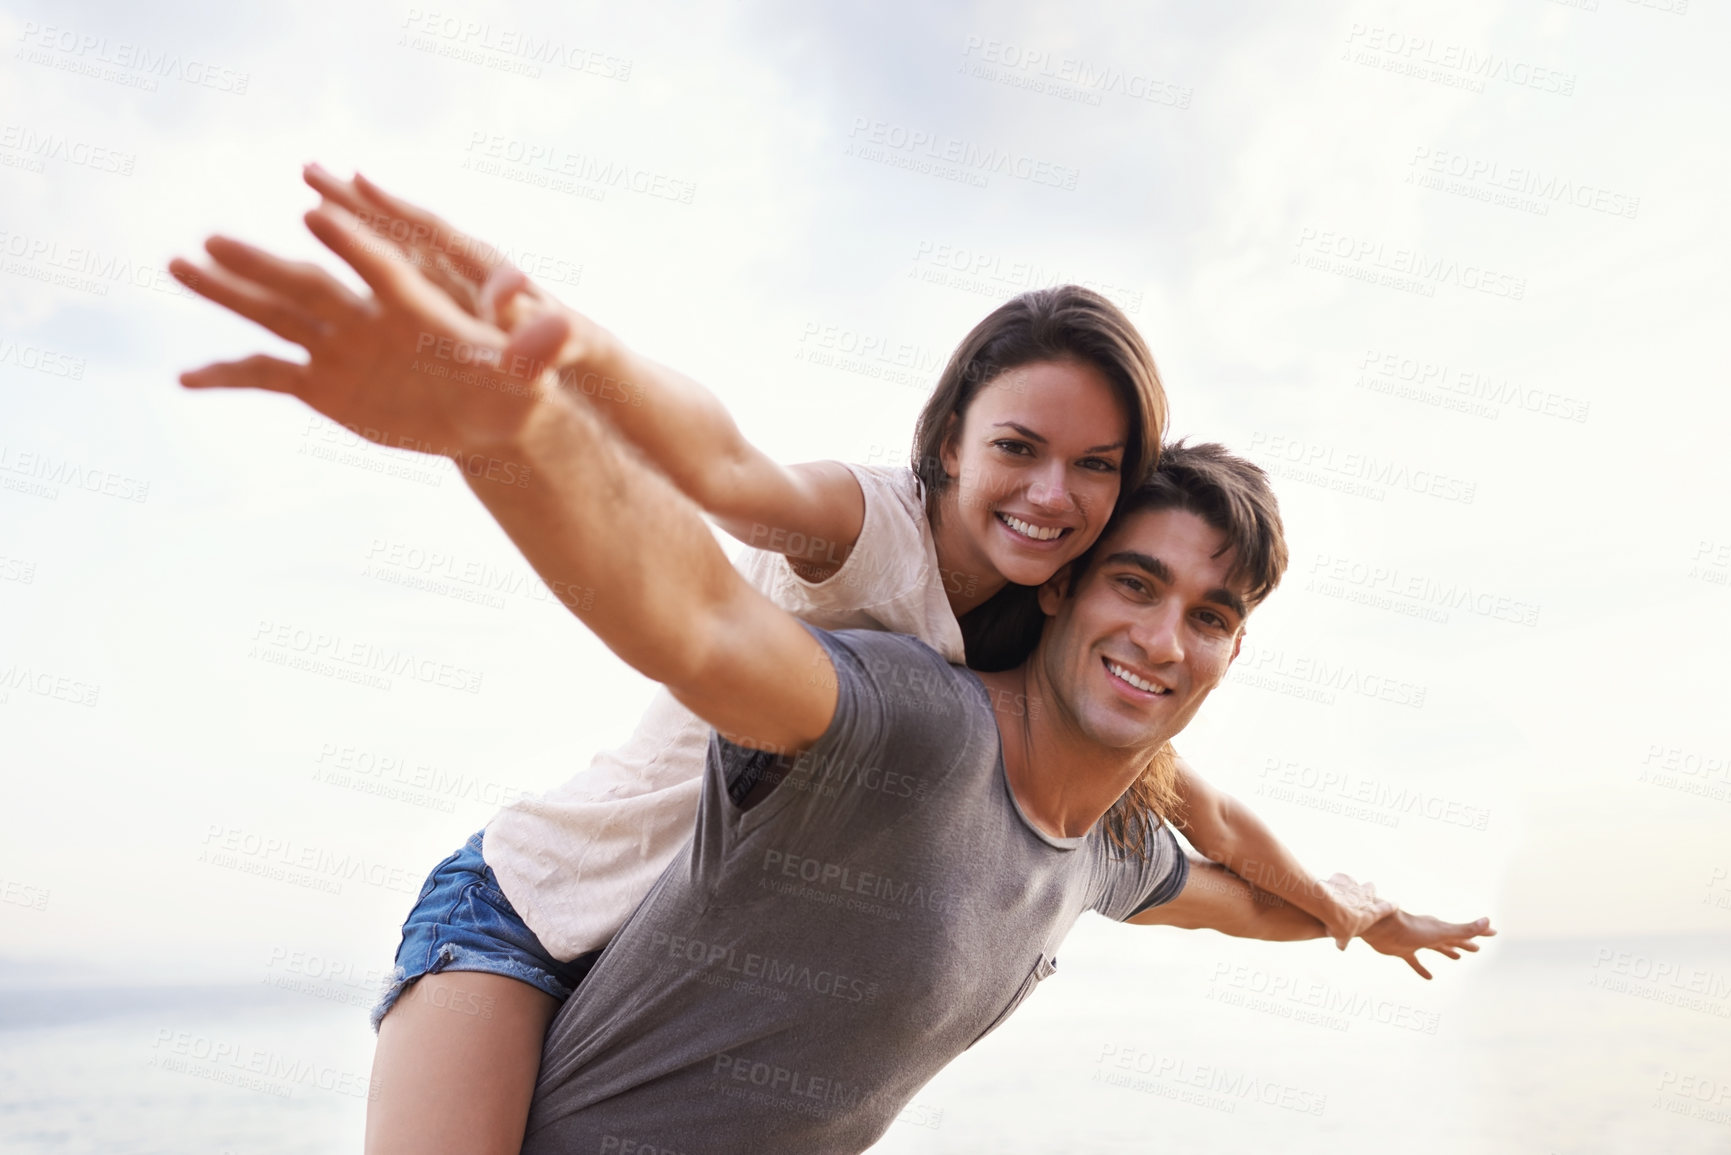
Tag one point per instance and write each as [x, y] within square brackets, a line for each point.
[455, 1066]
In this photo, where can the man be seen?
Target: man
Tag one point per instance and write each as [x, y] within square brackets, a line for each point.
[849, 919]
[889, 849]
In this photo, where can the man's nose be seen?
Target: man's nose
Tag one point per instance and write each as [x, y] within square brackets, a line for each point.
[1158, 633]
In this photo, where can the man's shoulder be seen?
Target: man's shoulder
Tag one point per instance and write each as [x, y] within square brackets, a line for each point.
[1151, 871]
[881, 647]
[904, 672]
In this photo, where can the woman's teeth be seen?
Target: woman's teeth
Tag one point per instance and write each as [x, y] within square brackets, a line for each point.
[1142, 684]
[1028, 530]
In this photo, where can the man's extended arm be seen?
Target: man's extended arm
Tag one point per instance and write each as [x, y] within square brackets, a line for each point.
[665, 598]
[619, 545]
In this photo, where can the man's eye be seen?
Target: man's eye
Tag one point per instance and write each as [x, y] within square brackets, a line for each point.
[1133, 584]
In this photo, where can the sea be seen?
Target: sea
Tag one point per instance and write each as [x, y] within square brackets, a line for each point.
[1146, 1039]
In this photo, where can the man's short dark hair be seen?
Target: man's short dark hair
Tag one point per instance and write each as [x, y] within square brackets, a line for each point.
[1229, 493]
[1226, 491]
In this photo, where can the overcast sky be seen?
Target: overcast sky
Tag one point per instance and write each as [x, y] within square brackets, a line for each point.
[1454, 273]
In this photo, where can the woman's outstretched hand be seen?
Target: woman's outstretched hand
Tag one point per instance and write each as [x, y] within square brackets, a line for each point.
[1357, 908]
[473, 273]
[1403, 935]
[406, 366]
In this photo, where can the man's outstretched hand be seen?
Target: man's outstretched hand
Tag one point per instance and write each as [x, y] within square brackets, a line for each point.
[1404, 935]
[406, 367]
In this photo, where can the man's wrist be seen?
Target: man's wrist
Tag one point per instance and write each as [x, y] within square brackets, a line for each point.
[551, 424]
[600, 368]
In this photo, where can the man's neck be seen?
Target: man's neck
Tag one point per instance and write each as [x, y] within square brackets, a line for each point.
[1063, 781]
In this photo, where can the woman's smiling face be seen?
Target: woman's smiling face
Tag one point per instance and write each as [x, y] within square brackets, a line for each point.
[1037, 466]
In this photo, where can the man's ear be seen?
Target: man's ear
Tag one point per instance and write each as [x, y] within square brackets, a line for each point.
[1056, 588]
[1237, 644]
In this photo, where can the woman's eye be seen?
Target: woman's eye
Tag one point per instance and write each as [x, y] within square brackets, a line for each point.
[1100, 465]
[1017, 447]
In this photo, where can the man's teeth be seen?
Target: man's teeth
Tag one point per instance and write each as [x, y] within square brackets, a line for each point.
[1027, 530]
[1140, 683]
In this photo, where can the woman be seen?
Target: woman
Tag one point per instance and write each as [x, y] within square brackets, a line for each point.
[1047, 411]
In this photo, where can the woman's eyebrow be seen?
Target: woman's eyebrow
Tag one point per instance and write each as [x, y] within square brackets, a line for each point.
[1032, 436]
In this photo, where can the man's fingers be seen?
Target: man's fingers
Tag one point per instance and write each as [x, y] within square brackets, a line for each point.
[305, 283]
[256, 303]
[255, 372]
[1412, 961]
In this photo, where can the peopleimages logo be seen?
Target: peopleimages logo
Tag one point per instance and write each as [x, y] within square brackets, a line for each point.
[1351, 471]
[122, 62]
[1066, 77]
[1399, 266]
[1540, 190]
[1476, 392]
[1454, 65]
[940, 154]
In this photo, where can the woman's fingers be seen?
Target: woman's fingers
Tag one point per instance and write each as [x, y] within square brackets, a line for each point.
[390, 277]
[333, 188]
[503, 296]
[450, 259]
[256, 303]
[255, 372]
[304, 283]
[1412, 961]
[473, 258]
[540, 341]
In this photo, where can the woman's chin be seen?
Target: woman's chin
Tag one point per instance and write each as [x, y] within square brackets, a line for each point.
[1023, 571]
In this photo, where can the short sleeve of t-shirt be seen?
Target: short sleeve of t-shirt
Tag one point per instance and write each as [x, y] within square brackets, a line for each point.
[903, 719]
[889, 581]
[1131, 884]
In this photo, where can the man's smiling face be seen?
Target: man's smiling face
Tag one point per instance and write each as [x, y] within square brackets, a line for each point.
[1147, 634]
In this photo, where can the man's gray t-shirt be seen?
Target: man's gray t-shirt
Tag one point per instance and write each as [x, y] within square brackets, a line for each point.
[810, 962]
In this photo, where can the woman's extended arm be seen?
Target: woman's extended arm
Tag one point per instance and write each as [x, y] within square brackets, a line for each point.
[1213, 898]
[812, 513]
[1230, 833]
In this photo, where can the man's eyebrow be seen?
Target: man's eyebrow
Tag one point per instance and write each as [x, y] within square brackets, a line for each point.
[1032, 436]
[1159, 570]
[1162, 573]
[1222, 596]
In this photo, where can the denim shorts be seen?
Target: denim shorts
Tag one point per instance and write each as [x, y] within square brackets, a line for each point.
[463, 922]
